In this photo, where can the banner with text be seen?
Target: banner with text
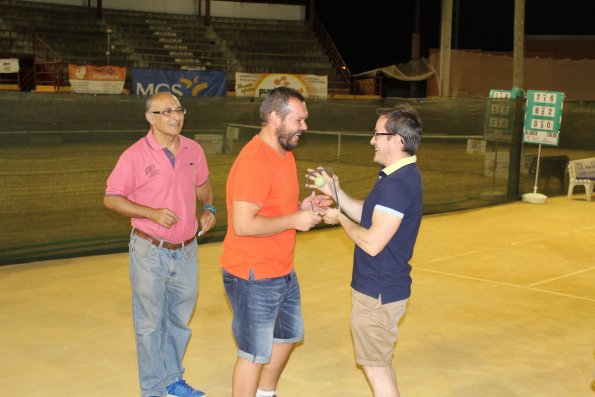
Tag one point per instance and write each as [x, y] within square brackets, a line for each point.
[179, 82]
[10, 65]
[91, 79]
[259, 84]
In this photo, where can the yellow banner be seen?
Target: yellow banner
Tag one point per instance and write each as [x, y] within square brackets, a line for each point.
[259, 84]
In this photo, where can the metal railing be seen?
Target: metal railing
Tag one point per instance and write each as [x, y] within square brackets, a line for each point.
[48, 74]
[338, 63]
[356, 85]
[43, 51]
[48, 68]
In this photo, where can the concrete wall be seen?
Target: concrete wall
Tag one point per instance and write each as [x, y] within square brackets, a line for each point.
[232, 9]
[474, 73]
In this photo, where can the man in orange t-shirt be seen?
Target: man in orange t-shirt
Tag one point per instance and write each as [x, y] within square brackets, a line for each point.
[263, 216]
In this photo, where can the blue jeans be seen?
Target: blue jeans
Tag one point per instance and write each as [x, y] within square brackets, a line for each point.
[164, 290]
[265, 311]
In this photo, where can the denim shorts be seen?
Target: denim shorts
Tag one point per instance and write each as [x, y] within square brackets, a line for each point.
[265, 311]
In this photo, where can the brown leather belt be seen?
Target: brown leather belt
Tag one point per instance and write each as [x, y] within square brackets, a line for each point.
[161, 243]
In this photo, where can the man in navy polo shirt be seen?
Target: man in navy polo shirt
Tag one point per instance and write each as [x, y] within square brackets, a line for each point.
[384, 228]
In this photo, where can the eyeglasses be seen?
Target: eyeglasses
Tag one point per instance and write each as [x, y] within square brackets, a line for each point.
[377, 134]
[169, 112]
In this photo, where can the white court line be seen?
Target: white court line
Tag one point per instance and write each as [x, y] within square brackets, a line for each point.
[506, 284]
[560, 277]
[511, 244]
[515, 243]
[448, 257]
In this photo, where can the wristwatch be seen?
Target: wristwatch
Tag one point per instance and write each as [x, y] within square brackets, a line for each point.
[210, 208]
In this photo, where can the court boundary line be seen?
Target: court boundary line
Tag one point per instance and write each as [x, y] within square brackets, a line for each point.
[561, 276]
[526, 287]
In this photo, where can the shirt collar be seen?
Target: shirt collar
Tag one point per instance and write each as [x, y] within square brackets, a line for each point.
[150, 139]
[398, 164]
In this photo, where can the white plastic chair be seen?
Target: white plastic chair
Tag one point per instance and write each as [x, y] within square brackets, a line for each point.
[581, 172]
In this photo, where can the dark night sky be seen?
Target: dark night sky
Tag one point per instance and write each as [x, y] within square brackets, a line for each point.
[378, 32]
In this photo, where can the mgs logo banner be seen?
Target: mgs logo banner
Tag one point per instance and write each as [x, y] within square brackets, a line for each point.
[179, 82]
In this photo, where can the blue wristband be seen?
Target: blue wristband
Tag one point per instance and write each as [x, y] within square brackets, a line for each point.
[210, 208]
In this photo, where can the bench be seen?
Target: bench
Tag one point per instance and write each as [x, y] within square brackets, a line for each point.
[581, 172]
[549, 167]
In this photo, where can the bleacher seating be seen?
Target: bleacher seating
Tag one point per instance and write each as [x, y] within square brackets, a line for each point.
[67, 30]
[167, 41]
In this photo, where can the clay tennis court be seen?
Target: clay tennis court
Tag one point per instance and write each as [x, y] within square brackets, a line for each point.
[503, 305]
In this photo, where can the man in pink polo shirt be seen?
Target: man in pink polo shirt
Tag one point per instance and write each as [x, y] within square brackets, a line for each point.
[156, 183]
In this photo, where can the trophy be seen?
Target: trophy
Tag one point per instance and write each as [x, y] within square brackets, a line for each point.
[317, 179]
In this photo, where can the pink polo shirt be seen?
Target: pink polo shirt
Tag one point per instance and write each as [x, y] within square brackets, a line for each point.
[145, 175]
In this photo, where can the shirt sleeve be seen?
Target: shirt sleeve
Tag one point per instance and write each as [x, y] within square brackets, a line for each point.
[121, 181]
[203, 168]
[252, 181]
[395, 199]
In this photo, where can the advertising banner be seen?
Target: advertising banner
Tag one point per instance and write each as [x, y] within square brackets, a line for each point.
[10, 65]
[259, 84]
[179, 82]
[91, 79]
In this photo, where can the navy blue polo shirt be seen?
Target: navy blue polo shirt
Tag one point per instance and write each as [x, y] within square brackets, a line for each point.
[398, 192]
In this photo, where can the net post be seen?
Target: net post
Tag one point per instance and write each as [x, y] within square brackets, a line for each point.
[514, 167]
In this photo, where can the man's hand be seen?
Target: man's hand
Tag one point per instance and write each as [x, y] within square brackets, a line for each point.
[316, 203]
[330, 182]
[207, 221]
[306, 220]
[331, 217]
[164, 217]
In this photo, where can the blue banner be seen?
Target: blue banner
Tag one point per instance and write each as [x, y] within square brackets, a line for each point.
[179, 82]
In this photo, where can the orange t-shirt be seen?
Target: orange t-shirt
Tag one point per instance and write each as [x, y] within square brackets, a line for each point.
[262, 176]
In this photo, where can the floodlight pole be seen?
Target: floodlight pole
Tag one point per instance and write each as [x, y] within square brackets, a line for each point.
[514, 167]
[415, 52]
[445, 46]
[519, 43]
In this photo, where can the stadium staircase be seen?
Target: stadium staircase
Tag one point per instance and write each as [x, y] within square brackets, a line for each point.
[50, 36]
